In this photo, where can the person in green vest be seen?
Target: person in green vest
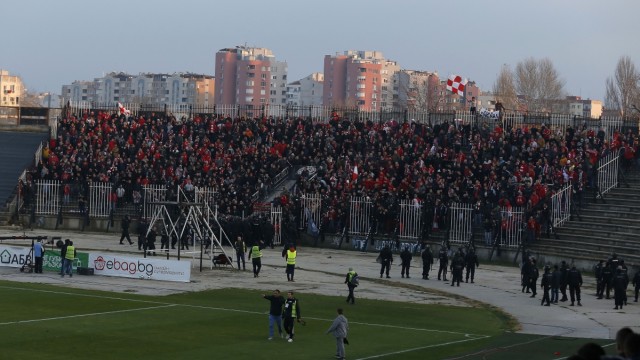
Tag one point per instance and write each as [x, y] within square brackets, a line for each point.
[290, 257]
[69, 256]
[291, 313]
[255, 254]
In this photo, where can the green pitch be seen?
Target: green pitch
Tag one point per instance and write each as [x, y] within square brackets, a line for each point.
[40, 321]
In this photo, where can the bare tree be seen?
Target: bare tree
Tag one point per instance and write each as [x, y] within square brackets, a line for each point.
[504, 88]
[622, 92]
[538, 82]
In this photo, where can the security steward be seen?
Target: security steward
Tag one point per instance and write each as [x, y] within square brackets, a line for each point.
[255, 254]
[291, 262]
[291, 312]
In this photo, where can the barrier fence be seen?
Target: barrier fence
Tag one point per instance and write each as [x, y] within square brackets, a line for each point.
[409, 226]
[48, 197]
[100, 204]
[461, 224]
[463, 217]
[608, 168]
[561, 205]
[360, 215]
[319, 113]
[276, 221]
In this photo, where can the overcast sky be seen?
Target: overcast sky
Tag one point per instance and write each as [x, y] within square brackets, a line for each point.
[52, 43]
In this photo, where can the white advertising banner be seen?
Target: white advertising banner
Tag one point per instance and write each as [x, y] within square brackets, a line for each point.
[140, 268]
[14, 256]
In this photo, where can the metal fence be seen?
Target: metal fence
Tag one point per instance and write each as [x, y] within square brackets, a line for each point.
[409, 226]
[561, 206]
[511, 226]
[152, 195]
[319, 113]
[461, 223]
[608, 168]
[100, 204]
[48, 197]
[276, 221]
[360, 215]
[311, 205]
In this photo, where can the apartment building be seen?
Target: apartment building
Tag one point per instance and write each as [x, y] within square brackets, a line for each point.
[449, 101]
[146, 88]
[306, 91]
[417, 90]
[11, 88]
[356, 78]
[250, 76]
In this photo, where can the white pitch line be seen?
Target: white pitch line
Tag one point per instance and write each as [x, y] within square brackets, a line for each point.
[84, 315]
[420, 348]
[233, 310]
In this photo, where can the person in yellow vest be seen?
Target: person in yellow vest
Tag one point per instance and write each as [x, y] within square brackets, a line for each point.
[255, 254]
[290, 256]
[69, 256]
[291, 312]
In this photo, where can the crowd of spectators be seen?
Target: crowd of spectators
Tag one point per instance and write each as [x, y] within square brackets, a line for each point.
[489, 165]
[236, 158]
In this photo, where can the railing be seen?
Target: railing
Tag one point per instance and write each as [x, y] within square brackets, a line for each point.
[360, 215]
[153, 194]
[100, 204]
[311, 205]
[276, 221]
[461, 223]
[608, 172]
[561, 206]
[319, 113]
[409, 226]
[409, 220]
[49, 196]
[38, 155]
[511, 226]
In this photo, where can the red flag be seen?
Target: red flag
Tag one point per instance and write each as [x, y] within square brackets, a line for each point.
[456, 84]
[123, 110]
[354, 173]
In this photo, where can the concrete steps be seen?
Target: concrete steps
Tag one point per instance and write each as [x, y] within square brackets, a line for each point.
[603, 228]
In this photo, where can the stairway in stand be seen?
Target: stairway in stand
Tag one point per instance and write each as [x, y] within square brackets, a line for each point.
[603, 227]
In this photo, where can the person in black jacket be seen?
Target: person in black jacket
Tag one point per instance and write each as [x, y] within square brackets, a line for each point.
[386, 258]
[533, 277]
[457, 266]
[545, 284]
[636, 284]
[564, 273]
[471, 260]
[597, 273]
[619, 287]
[406, 258]
[575, 282]
[555, 284]
[126, 222]
[607, 276]
[151, 241]
[524, 275]
[290, 314]
[275, 312]
[427, 261]
[143, 226]
[444, 261]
